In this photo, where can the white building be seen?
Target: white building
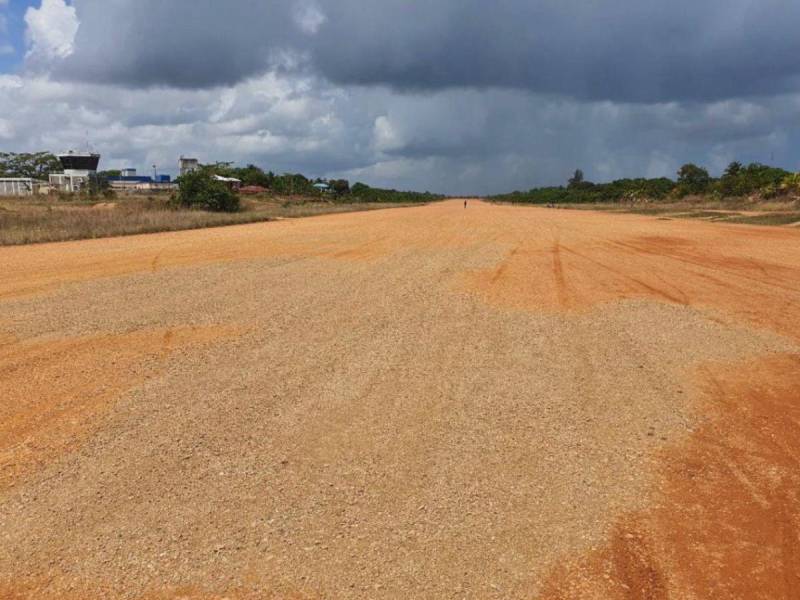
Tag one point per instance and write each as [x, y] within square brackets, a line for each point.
[79, 169]
[188, 165]
[142, 186]
[19, 186]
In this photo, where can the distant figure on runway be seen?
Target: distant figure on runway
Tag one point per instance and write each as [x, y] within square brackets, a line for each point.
[465, 204]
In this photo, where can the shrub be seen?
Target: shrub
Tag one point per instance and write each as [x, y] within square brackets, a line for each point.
[791, 184]
[769, 191]
[199, 189]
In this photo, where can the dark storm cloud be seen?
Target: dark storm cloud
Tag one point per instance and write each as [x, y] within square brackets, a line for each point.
[457, 96]
[181, 43]
[629, 50]
[624, 50]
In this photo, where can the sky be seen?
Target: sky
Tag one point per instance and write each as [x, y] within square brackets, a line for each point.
[452, 96]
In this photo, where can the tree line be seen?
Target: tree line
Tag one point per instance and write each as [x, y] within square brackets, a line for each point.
[738, 180]
[297, 184]
[200, 189]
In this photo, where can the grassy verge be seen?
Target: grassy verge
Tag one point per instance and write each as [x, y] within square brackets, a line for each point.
[784, 212]
[32, 220]
[768, 219]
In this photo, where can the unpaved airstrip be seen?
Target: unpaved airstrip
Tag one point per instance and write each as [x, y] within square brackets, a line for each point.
[430, 402]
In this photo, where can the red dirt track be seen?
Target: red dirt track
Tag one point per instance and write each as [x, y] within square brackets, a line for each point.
[430, 402]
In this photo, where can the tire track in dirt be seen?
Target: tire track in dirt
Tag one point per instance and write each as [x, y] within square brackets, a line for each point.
[558, 274]
[657, 292]
[501, 269]
[735, 266]
[756, 288]
[726, 523]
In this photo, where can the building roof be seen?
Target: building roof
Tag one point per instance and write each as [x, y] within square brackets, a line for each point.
[227, 179]
[82, 154]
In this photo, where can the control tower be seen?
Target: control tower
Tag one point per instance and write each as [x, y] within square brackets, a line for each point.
[79, 169]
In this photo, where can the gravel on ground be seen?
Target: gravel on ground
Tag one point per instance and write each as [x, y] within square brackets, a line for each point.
[427, 402]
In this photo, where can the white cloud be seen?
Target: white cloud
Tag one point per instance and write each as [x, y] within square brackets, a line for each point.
[280, 123]
[385, 136]
[309, 17]
[227, 100]
[51, 30]
[6, 129]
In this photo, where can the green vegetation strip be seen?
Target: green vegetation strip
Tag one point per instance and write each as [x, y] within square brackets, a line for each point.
[767, 219]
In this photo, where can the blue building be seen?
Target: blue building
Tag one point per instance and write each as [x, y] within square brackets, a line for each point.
[129, 180]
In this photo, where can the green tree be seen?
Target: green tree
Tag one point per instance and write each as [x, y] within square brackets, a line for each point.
[37, 165]
[253, 175]
[729, 183]
[359, 189]
[739, 180]
[294, 184]
[340, 186]
[693, 179]
[733, 169]
[199, 189]
[576, 180]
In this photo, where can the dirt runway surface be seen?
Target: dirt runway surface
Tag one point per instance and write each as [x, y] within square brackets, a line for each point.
[432, 402]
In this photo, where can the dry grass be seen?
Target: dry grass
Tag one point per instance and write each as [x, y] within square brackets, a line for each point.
[774, 218]
[33, 220]
[733, 210]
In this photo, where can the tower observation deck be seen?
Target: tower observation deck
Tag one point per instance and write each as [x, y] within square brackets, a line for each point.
[79, 169]
[78, 163]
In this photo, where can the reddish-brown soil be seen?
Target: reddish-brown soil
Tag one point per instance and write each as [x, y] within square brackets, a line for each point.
[497, 402]
[726, 521]
[55, 391]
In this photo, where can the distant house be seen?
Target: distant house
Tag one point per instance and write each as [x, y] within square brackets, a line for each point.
[231, 182]
[322, 187]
